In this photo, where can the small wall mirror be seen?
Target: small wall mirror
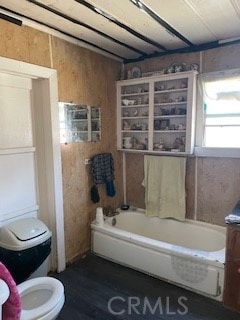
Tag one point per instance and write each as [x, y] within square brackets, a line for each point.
[79, 123]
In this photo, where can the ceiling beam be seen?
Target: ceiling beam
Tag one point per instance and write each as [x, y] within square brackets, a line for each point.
[82, 24]
[10, 19]
[120, 24]
[194, 48]
[141, 6]
[63, 32]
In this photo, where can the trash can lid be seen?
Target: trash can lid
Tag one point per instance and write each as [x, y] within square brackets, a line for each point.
[23, 234]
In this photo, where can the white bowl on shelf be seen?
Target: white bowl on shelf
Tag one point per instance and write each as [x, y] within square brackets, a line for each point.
[127, 102]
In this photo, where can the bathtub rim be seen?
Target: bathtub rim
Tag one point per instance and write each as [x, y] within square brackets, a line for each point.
[216, 258]
[216, 227]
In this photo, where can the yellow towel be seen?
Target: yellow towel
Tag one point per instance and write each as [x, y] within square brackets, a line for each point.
[164, 181]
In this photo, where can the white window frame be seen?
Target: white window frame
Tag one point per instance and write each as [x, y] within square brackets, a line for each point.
[199, 149]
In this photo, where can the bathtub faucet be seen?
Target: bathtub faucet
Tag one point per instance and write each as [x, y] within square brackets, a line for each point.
[111, 212]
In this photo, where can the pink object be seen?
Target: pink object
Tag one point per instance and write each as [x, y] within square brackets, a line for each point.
[11, 309]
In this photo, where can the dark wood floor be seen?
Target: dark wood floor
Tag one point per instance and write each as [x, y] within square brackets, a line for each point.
[99, 289]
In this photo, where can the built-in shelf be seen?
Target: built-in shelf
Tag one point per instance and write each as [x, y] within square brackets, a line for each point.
[157, 114]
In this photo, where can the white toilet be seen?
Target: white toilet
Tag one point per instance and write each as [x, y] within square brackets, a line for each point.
[25, 245]
[42, 298]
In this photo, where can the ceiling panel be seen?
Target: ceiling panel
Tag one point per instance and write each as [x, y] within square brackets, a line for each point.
[139, 21]
[178, 11]
[136, 29]
[83, 14]
[220, 17]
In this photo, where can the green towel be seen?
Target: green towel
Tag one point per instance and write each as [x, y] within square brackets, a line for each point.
[164, 182]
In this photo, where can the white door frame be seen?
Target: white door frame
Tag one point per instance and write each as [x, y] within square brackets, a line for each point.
[45, 80]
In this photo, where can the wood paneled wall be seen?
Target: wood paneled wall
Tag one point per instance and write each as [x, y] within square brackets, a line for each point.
[83, 77]
[212, 184]
[86, 77]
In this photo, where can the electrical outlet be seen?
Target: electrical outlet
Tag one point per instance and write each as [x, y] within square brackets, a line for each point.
[87, 161]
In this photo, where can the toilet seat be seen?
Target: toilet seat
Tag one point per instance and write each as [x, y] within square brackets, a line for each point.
[52, 295]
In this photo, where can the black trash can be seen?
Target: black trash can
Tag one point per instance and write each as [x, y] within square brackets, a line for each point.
[25, 245]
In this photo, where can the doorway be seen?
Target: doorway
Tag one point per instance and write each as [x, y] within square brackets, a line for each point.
[44, 171]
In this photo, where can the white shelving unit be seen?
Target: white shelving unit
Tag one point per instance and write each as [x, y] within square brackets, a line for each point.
[157, 114]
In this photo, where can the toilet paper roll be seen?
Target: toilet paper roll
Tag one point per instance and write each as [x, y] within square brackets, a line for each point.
[99, 216]
[99, 210]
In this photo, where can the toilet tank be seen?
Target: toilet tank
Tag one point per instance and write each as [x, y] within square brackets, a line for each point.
[24, 245]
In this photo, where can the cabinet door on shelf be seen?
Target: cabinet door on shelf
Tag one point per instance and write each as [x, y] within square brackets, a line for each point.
[78, 136]
[77, 123]
[231, 297]
[233, 243]
[95, 124]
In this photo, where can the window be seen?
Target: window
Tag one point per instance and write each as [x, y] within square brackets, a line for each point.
[218, 122]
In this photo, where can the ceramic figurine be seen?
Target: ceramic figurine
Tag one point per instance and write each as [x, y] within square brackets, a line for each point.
[127, 143]
[183, 85]
[135, 112]
[126, 125]
[178, 68]
[194, 66]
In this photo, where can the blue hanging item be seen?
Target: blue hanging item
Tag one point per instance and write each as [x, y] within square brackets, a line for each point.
[102, 166]
[110, 189]
[94, 194]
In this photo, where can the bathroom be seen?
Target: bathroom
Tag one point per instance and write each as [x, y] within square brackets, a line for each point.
[89, 78]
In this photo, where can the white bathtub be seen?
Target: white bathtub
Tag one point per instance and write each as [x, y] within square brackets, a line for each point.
[190, 254]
